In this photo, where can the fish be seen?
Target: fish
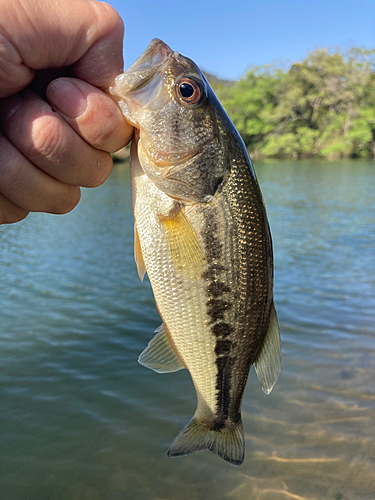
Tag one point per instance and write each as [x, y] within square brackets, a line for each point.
[202, 235]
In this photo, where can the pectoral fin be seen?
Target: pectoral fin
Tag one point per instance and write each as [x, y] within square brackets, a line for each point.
[138, 257]
[159, 355]
[183, 243]
[268, 364]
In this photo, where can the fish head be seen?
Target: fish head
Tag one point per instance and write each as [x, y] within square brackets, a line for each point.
[180, 125]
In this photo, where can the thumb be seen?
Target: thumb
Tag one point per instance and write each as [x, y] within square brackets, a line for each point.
[35, 35]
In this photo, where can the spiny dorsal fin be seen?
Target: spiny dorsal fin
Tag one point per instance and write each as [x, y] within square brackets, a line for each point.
[183, 243]
[138, 257]
[268, 364]
[159, 355]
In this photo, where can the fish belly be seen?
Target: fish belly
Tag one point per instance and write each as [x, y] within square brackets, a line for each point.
[180, 295]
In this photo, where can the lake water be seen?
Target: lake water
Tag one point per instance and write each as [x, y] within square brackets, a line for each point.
[80, 419]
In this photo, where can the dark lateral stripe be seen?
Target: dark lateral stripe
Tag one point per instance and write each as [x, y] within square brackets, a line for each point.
[222, 329]
[223, 347]
[223, 385]
[217, 305]
[214, 247]
[213, 271]
[216, 309]
[217, 288]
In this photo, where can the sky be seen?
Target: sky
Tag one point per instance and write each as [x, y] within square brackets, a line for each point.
[226, 37]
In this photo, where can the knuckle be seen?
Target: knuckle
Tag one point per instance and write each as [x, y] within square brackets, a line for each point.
[103, 124]
[102, 138]
[11, 173]
[12, 214]
[47, 140]
[100, 170]
[66, 201]
[113, 20]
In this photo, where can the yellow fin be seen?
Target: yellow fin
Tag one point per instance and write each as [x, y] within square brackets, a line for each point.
[183, 243]
[138, 257]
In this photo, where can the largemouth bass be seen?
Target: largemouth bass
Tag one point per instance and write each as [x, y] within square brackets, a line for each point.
[202, 235]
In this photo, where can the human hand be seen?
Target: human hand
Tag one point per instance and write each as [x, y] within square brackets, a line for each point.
[49, 149]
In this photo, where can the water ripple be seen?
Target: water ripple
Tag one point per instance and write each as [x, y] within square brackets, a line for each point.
[81, 419]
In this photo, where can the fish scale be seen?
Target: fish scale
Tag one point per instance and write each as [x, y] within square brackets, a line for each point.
[202, 235]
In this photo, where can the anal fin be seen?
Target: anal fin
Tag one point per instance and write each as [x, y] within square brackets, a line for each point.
[159, 355]
[268, 363]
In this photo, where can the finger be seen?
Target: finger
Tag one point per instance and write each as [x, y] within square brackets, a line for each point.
[91, 112]
[9, 212]
[51, 144]
[30, 188]
[104, 60]
[84, 34]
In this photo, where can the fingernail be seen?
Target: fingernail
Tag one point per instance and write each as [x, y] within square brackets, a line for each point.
[66, 96]
[9, 106]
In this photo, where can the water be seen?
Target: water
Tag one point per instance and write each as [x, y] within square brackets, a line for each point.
[80, 419]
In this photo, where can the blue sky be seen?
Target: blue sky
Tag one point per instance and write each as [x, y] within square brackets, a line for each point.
[225, 37]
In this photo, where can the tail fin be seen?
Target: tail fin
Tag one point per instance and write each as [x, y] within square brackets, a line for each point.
[226, 443]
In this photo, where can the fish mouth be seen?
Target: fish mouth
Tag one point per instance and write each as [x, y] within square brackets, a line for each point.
[155, 54]
[142, 71]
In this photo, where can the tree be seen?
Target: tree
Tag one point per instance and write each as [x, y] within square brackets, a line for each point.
[324, 106]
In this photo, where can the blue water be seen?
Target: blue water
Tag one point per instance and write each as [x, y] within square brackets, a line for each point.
[80, 419]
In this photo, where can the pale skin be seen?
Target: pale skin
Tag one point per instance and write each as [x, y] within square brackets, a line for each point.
[57, 124]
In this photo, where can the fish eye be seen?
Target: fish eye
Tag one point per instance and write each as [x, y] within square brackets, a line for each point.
[186, 90]
[189, 91]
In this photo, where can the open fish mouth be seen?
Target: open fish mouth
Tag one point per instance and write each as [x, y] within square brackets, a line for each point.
[147, 71]
[142, 82]
[155, 54]
[143, 69]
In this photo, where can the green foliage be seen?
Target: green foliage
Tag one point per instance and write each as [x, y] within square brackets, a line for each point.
[323, 107]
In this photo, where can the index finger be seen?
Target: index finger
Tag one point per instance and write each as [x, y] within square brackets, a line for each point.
[84, 34]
